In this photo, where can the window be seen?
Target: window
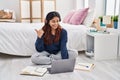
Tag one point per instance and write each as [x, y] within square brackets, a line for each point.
[112, 7]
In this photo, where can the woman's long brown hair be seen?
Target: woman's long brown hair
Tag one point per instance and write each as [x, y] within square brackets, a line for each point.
[47, 29]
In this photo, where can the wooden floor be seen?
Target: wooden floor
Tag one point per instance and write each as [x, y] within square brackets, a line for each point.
[10, 68]
[104, 69]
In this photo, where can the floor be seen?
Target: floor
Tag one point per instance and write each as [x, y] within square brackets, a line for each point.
[10, 67]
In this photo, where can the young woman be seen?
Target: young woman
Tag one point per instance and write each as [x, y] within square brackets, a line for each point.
[51, 41]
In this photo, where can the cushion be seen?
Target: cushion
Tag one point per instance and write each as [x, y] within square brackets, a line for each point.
[68, 16]
[79, 16]
[89, 19]
[5, 15]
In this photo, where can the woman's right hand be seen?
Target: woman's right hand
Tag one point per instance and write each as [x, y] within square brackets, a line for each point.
[39, 32]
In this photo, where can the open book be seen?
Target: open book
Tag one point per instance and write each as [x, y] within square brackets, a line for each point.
[84, 66]
[33, 70]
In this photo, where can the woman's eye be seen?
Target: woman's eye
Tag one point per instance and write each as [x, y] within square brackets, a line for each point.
[55, 21]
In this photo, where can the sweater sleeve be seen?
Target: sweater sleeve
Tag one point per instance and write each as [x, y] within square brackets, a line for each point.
[39, 44]
[64, 51]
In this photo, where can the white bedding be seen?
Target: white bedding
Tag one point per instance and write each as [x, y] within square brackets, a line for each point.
[19, 38]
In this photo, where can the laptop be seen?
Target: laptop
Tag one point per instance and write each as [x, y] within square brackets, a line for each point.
[61, 66]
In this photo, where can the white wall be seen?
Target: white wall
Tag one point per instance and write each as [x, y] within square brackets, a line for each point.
[63, 6]
[100, 8]
[79, 4]
[13, 5]
[119, 20]
[97, 5]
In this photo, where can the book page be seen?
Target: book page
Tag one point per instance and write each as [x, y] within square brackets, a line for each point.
[32, 70]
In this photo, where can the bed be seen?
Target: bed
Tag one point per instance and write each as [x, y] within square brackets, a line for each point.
[19, 38]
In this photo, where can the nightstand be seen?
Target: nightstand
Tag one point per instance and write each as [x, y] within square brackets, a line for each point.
[117, 31]
[102, 45]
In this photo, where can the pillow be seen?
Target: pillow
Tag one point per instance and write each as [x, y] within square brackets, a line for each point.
[89, 19]
[79, 16]
[5, 15]
[68, 16]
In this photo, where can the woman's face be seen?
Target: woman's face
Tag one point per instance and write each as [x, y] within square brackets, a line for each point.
[54, 23]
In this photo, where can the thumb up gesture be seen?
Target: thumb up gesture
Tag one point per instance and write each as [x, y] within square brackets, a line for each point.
[39, 32]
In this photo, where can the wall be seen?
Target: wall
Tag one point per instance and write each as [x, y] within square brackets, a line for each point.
[13, 5]
[79, 4]
[63, 9]
[119, 21]
[100, 8]
[97, 5]
[64, 6]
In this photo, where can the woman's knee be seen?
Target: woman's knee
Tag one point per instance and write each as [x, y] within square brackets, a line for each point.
[38, 59]
[34, 59]
[73, 53]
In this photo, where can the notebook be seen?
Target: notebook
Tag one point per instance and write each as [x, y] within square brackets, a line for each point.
[61, 66]
[84, 66]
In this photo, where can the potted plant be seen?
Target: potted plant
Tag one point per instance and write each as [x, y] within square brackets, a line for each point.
[101, 21]
[115, 20]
